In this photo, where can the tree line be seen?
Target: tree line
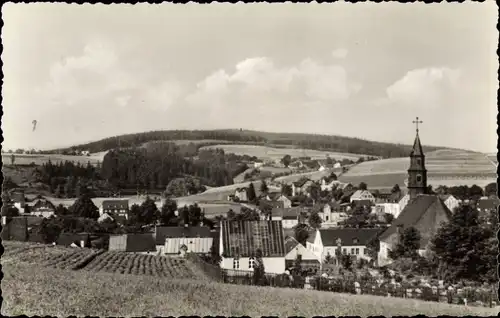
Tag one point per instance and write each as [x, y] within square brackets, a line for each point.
[307, 141]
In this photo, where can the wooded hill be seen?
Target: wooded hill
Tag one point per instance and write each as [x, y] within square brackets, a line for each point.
[297, 140]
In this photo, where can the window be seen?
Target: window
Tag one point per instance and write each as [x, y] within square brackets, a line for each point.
[326, 217]
[419, 178]
[251, 263]
[357, 251]
[352, 251]
[344, 251]
[236, 263]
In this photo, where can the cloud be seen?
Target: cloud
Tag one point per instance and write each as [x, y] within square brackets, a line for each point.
[98, 77]
[427, 87]
[340, 53]
[259, 83]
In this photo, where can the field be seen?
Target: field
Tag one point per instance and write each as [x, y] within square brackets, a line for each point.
[136, 264]
[34, 290]
[314, 175]
[445, 167]
[40, 159]
[270, 153]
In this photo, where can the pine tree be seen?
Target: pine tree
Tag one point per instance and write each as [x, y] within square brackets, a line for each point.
[85, 208]
[263, 187]
[251, 193]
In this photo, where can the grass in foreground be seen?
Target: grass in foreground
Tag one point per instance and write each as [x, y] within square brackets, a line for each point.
[33, 290]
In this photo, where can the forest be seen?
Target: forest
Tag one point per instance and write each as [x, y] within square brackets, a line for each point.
[306, 141]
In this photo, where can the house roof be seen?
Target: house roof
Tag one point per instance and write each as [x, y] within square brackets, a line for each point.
[348, 236]
[290, 244]
[43, 203]
[244, 238]
[115, 204]
[300, 183]
[287, 213]
[140, 242]
[487, 204]
[273, 204]
[358, 194]
[414, 212]
[163, 232]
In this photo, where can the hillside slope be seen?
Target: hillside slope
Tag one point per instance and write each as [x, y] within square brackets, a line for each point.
[33, 290]
[444, 167]
[307, 141]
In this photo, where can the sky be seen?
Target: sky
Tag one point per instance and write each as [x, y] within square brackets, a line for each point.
[366, 70]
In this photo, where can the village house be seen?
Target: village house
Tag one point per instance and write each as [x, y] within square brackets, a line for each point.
[351, 241]
[279, 197]
[294, 249]
[450, 201]
[422, 211]
[240, 241]
[19, 200]
[301, 187]
[390, 208]
[118, 207]
[176, 240]
[332, 215]
[288, 216]
[264, 203]
[241, 194]
[487, 204]
[140, 243]
[362, 195]
[43, 208]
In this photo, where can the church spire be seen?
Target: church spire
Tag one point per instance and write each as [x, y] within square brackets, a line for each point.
[417, 173]
[417, 146]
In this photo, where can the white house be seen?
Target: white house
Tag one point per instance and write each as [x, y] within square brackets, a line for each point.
[288, 216]
[117, 207]
[241, 194]
[294, 249]
[337, 165]
[450, 201]
[329, 186]
[258, 164]
[175, 240]
[42, 208]
[240, 241]
[361, 195]
[331, 215]
[352, 241]
[391, 208]
[287, 203]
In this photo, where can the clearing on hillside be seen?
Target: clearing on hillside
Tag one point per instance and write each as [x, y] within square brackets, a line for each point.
[35, 290]
[270, 153]
[445, 167]
[40, 159]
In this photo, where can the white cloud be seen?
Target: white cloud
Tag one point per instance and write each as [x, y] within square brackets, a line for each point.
[164, 95]
[340, 53]
[426, 87]
[259, 83]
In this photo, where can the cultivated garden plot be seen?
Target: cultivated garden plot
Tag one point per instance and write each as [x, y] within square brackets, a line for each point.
[139, 264]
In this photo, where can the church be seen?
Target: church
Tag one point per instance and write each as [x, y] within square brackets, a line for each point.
[424, 211]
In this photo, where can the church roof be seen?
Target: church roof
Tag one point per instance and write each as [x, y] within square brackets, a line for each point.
[423, 212]
[417, 147]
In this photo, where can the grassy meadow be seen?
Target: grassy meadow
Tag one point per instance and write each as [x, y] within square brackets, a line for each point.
[271, 153]
[35, 290]
[40, 159]
[445, 167]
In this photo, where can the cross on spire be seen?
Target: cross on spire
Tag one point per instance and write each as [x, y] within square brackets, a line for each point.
[417, 122]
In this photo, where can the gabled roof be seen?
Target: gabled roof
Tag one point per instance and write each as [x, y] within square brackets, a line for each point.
[244, 238]
[359, 193]
[115, 204]
[413, 213]
[43, 203]
[290, 244]
[287, 213]
[487, 204]
[137, 242]
[348, 236]
[164, 232]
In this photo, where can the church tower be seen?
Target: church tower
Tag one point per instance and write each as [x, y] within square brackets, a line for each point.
[417, 174]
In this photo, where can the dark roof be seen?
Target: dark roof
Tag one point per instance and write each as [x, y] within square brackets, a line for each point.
[140, 242]
[115, 204]
[244, 238]
[287, 213]
[430, 206]
[487, 204]
[43, 203]
[17, 196]
[273, 204]
[417, 147]
[396, 196]
[66, 239]
[290, 244]
[347, 236]
[163, 232]
[300, 183]
[362, 202]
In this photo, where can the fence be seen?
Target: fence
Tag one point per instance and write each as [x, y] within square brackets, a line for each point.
[311, 279]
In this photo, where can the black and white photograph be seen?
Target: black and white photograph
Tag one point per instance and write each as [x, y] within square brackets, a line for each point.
[249, 159]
